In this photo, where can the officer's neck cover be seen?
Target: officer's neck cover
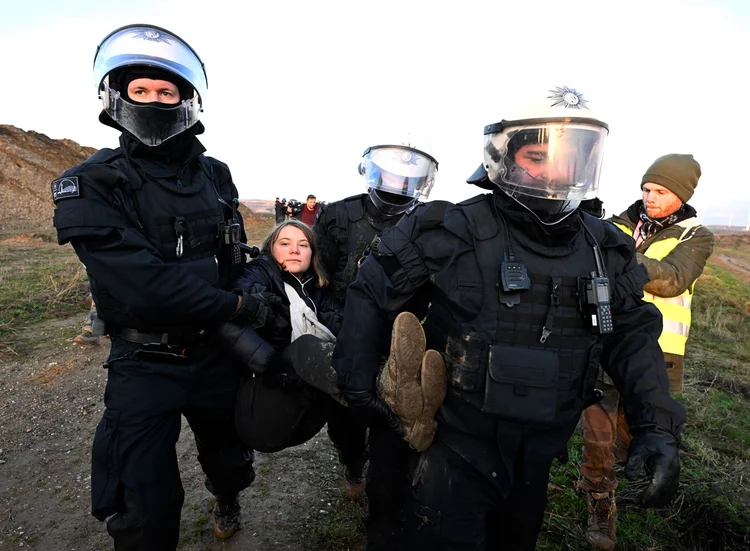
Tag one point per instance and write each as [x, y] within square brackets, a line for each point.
[397, 176]
[549, 158]
[142, 51]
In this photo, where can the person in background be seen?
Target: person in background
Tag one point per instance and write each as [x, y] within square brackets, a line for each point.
[93, 327]
[674, 248]
[310, 211]
[155, 222]
[280, 210]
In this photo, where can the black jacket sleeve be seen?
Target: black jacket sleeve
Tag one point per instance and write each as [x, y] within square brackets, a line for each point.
[120, 257]
[631, 354]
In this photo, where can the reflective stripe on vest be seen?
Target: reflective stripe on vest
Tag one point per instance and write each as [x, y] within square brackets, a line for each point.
[675, 311]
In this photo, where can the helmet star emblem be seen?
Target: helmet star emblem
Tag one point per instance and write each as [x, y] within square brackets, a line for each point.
[152, 35]
[567, 97]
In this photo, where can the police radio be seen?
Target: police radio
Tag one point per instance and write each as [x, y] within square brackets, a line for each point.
[513, 275]
[593, 293]
[230, 235]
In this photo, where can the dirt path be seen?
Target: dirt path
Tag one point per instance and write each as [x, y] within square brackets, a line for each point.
[50, 402]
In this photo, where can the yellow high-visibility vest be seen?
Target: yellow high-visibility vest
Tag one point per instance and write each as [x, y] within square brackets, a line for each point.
[675, 311]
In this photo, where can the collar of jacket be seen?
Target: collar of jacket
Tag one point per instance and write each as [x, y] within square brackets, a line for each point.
[167, 159]
[631, 216]
[560, 239]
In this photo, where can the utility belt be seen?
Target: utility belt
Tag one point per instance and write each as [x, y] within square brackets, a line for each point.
[163, 339]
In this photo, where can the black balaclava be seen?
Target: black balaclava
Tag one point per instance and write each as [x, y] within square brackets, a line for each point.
[119, 79]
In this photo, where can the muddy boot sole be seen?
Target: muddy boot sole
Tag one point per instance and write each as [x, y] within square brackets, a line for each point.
[433, 386]
[398, 382]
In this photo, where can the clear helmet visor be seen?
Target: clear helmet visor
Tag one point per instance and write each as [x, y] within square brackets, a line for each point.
[399, 171]
[151, 123]
[556, 161]
[149, 46]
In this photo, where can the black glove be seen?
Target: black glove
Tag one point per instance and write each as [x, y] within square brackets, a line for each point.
[256, 310]
[655, 448]
[247, 347]
[367, 406]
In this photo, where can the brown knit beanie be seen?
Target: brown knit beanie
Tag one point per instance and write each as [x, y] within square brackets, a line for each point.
[676, 172]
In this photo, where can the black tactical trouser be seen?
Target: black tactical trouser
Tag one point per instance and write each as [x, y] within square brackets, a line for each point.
[134, 476]
[349, 437]
[388, 490]
[456, 508]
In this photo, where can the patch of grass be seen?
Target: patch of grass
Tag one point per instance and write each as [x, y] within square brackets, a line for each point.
[38, 281]
[712, 511]
[258, 228]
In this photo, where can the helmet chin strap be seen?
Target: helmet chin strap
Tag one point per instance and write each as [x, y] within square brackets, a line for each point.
[388, 209]
[536, 214]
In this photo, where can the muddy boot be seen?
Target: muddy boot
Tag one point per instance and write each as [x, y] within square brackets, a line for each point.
[413, 381]
[310, 357]
[601, 529]
[434, 385]
[227, 514]
[86, 337]
[354, 483]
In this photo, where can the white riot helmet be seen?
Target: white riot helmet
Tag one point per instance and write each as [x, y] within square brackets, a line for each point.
[548, 156]
[397, 176]
[146, 51]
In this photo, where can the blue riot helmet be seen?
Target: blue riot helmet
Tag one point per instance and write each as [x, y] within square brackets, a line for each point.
[397, 176]
[146, 51]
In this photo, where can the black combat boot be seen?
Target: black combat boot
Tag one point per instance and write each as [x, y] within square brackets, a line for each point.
[227, 514]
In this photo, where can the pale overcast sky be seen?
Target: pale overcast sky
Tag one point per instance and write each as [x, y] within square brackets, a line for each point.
[298, 89]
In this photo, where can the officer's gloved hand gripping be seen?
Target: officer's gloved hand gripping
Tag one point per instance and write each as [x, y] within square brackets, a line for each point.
[372, 411]
[254, 310]
[656, 449]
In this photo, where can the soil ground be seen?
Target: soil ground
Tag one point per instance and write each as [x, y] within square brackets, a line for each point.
[50, 402]
[51, 393]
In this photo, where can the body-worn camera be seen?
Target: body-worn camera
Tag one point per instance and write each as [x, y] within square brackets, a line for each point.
[593, 294]
[230, 235]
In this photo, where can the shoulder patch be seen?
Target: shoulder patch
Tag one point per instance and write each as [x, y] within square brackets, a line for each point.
[65, 188]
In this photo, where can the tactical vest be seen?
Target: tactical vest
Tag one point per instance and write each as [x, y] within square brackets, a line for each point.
[181, 225]
[363, 235]
[675, 311]
[499, 361]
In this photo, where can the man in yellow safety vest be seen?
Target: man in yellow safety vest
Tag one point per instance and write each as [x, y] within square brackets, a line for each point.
[674, 248]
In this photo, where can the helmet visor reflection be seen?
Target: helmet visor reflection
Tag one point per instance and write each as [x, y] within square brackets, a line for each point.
[399, 170]
[552, 161]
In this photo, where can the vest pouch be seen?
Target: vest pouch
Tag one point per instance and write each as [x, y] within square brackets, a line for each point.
[521, 384]
[466, 359]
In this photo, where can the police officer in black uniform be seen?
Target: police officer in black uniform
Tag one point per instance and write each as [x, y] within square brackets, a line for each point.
[347, 231]
[155, 222]
[527, 295]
